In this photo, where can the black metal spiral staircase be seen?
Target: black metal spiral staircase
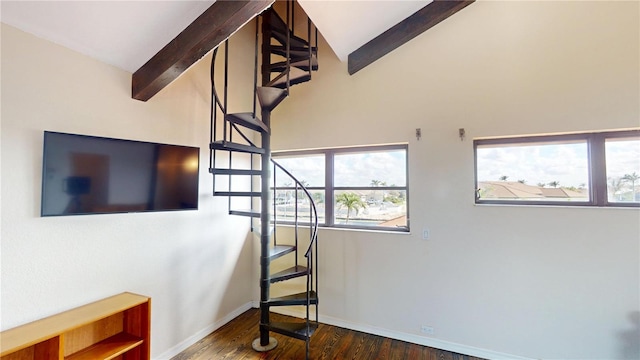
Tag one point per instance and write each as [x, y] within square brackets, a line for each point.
[286, 60]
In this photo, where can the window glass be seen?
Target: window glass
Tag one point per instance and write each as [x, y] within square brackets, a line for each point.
[308, 169]
[285, 202]
[366, 187]
[623, 169]
[528, 171]
[371, 168]
[365, 208]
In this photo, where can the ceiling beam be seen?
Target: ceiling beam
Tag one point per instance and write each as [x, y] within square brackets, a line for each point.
[421, 21]
[209, 30]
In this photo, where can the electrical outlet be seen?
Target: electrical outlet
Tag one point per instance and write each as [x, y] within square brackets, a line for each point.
[425, 234]
[427, 330]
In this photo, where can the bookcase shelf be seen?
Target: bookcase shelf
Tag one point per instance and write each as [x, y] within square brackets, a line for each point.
[117, 327]
[109, 348]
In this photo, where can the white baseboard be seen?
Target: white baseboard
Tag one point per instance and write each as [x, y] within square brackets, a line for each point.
[183, 345]
[411, 338]
[397, 335]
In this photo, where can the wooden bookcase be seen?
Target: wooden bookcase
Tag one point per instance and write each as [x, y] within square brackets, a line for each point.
[117, 327]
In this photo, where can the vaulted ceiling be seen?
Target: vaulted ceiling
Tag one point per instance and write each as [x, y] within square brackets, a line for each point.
[124, 34]
[127, 34]
[347, 25]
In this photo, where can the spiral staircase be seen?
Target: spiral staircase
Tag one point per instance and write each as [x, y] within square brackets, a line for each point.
[237, 157]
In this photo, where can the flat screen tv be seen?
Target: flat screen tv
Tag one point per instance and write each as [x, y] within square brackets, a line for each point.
[96, 175]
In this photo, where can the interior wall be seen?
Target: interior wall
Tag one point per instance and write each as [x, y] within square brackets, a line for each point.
[498, 281]
[193, 264]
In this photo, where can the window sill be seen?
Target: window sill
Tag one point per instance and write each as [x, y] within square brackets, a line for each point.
[400, 231]
[558, 206]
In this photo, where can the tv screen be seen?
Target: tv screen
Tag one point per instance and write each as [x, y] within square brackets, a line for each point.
[96, 175]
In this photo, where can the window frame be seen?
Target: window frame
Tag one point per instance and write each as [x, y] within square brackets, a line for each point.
[596, 164]
[330, 189]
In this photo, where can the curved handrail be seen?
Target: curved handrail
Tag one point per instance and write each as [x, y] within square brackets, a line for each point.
[314, 233]
[217, 97]
[213, 81]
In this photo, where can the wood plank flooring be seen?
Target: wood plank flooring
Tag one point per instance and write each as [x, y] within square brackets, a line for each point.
[233, 341]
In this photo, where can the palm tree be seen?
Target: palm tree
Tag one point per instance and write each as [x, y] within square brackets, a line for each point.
[304, 184]
[351, 201]
[503, 178]
[614, 186]
[318, 197]
[522, 181]
[632, 178]
[554, 183]
[375, 193]
[541, 184]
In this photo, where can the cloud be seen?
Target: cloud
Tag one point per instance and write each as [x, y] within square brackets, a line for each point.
[622, 157]
[535, 163]
[350, 169]
[305, 168]
[359, 169]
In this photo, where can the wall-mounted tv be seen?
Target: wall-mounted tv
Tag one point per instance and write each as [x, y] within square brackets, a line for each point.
[96, 175]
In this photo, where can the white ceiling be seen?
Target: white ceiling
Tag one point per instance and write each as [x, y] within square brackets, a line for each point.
[127, 34]
[347, 25]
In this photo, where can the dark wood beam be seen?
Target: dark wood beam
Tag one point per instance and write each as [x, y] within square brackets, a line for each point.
[421, 21]
[206, 32]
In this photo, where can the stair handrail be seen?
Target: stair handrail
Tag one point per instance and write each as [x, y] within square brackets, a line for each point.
[310, 259]
[213, 81]
[288, 46]
[312, 222]
[216, 97]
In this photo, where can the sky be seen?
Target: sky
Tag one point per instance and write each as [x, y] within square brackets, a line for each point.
[359, 169]
[535, 163]
[351, 169]
[566, 164]
[305, 168]
[622, 157]
[545, 163]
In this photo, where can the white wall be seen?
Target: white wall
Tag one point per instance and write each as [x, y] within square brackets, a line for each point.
[496, 281]
[194, 264]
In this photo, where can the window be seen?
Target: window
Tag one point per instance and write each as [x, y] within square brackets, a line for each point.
[362, 188]
[599, 169]
[623, 169]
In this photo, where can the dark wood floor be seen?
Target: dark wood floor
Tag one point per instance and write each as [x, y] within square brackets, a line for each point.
[233, 341]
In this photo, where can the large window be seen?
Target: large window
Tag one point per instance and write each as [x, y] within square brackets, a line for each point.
[363, 187]
[601, 169]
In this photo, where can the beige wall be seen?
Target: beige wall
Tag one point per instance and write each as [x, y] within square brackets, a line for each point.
[493, 280]
[497, 281]
[194, 264]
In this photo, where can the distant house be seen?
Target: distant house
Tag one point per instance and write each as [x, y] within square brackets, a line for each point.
[520, 191]
[398, 222]
[563, 193]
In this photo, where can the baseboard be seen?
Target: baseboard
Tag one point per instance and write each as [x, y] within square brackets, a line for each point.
[397, 335]
[415, 339]
[183, 345]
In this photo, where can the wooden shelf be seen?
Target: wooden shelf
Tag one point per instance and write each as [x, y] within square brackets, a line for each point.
[109, 348]
[105, 329]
